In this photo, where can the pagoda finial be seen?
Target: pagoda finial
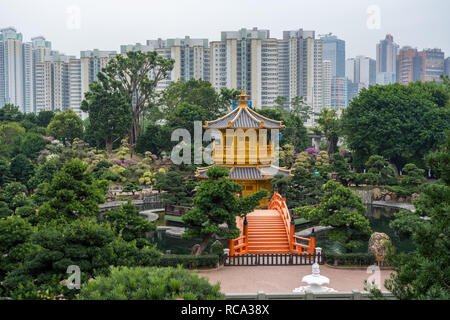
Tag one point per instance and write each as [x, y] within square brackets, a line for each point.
[243, 98]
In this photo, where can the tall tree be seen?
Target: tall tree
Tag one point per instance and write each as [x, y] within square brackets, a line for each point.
[66, 126]
[215, 204]
[109, 112]
[195, 92]
[330, 126]
[300, 108]
[400, 123]
[136, 75]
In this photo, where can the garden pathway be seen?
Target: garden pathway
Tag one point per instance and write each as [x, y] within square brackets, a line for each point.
[284, 279]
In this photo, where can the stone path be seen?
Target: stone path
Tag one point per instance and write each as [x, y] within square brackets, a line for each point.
[284, 279]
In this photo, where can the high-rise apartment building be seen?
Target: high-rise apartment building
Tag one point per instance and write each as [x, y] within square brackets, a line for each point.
[28, 77]
[327, 81]
[334, 51]
[192, 58]
[52, 83]
[78, 83]
[406, 60]
[339, 93]
[41, 50]
[11, 68]
[432, 62]
[97, 61]
[447, 67]
[387, 51]
[426, 65]
[361, 73]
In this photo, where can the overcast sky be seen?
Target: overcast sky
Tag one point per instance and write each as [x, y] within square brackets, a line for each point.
[106, 24]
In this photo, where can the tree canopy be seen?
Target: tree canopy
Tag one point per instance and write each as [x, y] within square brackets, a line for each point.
[402, 123]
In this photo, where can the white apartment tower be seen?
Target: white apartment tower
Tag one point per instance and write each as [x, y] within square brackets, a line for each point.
[11, 68]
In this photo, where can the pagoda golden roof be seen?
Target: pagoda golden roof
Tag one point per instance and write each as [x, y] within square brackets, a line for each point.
[243, 117]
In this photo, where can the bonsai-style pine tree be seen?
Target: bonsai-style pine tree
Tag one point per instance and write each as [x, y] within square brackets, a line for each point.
[216, 203]
[342, 210]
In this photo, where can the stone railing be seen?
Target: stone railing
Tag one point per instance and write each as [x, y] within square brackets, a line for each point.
[344, 295]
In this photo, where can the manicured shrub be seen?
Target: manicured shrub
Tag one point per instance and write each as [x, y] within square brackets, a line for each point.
[189, 261]
[350, 259]
[143, 283]
[217, 249]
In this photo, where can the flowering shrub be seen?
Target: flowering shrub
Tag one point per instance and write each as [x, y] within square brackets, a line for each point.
[311, 159]
[116, 162]
[148, 178]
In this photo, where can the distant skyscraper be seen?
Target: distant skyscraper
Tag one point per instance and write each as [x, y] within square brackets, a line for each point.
[334, 51]
[41, 50]
[339, 93]
[11, 68]
[237, 63]
[405, 64]
[361, 73]
[387, 60]
[447, 66]
[433, 65]
[97, 61]
[361, 70]
[28, 77]
[327, 79]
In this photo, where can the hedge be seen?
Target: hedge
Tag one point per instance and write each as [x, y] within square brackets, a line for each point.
[350, 259]
[189, 261]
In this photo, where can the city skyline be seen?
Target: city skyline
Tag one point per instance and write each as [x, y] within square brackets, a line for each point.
[106, 27]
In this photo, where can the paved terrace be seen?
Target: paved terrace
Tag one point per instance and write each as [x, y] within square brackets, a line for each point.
[284, 279]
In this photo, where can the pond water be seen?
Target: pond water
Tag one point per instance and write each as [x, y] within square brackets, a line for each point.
[379, 218]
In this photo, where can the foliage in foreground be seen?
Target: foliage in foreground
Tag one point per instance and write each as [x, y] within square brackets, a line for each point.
[150, 284]
[425, 273]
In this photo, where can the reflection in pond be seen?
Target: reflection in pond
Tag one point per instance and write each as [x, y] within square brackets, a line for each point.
[379, 218]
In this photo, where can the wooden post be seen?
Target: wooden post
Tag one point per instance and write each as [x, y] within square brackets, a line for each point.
[312, 243]
[245, 235]
[231, 247]
[292, 235]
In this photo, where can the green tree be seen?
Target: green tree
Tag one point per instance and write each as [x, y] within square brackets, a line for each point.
[66, 126]
[194, 92]
[178, 190]
[31, 144]
[303, 189]
[130, 75]
[21, 168]
[73, 193]
[10, 113]
[216, 203]
[15, 243]
[109, 112]
[300, 108]
[5, 174]
[412, 175]
[280, 102]
[44, 118]
[184, 115]
[155, 139]
[424, 273]
[44, 173]
[150, 284]
[11, 134]
[400, 123]
[330, 126]
[127, 222]
[343, 210]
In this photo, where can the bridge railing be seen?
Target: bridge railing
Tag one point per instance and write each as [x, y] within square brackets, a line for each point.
[308, 246]
[239, 246]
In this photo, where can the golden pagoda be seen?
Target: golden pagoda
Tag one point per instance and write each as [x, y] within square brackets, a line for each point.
[245, 149]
